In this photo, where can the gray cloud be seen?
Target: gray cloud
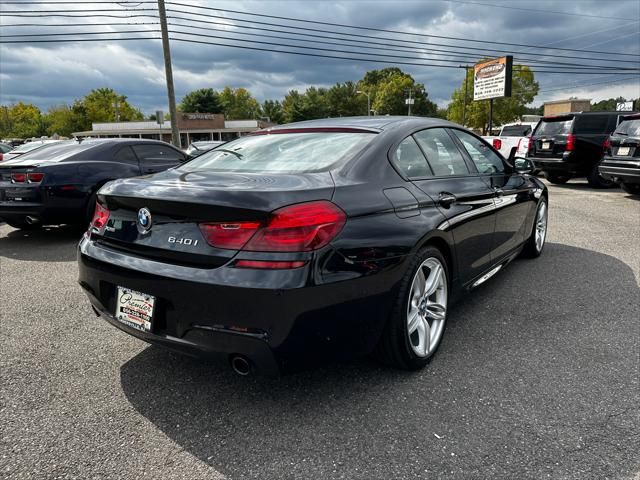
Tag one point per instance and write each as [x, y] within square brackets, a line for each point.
[50, 74]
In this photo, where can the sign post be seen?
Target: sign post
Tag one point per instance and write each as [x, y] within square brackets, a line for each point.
[492, 79]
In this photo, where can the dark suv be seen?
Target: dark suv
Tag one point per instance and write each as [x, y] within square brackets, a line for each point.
[621, 162]
[572, 144]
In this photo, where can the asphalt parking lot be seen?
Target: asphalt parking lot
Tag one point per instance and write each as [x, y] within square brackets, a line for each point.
[538, 377]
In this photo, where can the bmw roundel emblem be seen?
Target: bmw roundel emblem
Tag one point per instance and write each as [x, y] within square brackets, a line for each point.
[144, 219]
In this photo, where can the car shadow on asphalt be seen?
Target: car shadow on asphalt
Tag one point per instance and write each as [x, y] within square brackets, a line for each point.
[45, 244]
[532, 374]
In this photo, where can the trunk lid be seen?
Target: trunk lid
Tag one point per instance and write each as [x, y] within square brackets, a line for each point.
[178, 202]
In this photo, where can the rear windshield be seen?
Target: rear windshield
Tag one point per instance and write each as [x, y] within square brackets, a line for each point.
[516, 131]
[630, 128]
[56, 152]
[27, 147]
[554, 127]
[282, 152]
[586, 124]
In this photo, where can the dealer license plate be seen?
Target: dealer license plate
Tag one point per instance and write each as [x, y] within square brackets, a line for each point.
[546, 145]
[134, 309]
[624, 150]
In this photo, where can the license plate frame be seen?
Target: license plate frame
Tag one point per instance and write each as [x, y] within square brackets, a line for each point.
[623, 151]
[135, 309]
[546, 145]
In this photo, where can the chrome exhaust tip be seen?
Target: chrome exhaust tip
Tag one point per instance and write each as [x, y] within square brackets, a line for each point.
[32, 220]
[240, 365]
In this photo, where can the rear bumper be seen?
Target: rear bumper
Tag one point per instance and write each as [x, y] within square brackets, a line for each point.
[225, 311]
[627, 171]
[566, 165]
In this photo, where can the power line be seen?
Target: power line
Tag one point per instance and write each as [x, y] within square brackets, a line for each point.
[76, 33]
[610, 82]
[533, 9]
[331, 24]
[325, 31]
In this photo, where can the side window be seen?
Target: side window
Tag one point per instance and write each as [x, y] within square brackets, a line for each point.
[154, 153]
[125, 155]
[484, 158]
[442, 153]
[410, 160]
[586, 124]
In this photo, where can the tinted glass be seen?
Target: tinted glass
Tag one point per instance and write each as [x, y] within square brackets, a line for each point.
[630, 128]
[56, 152]
[410, 160]
[442, 153]
[591, 124]
[125, 155]
[4, 148]
[157, 152]
[554, 127]
[485, 159]
[282, 152]
[516, 131]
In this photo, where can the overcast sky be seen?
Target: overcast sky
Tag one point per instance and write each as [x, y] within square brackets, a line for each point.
[51, 74]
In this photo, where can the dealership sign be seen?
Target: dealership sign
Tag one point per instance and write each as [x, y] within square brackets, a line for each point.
[492, 78]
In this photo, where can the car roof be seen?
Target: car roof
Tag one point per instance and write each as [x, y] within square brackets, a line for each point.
[376, 123]
[137, 141]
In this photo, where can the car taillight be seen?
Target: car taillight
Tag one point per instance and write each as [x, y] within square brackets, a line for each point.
[606, 146]
[297, 228]
[497, 143]
[100, 216]
[529, 144]
[230, 235]
[1, 156]
[571, 143]
[35, 177]
[269, 264]
[18, 177]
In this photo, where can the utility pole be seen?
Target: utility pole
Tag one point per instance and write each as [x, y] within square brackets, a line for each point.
[368, 101]
[175, 134]
[464, 109]
[409, 101]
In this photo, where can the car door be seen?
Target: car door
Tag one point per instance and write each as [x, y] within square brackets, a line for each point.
[157, 157]
[514, 199]
[463, 197]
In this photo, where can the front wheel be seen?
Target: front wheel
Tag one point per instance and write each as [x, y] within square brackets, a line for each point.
[415, 329]
[535, 244]
[632, 188]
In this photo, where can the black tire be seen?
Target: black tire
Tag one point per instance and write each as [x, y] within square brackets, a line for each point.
[632, 188]
[23, 225]
[557, 179]
[531, 249]
[394, 348]
[596, 181]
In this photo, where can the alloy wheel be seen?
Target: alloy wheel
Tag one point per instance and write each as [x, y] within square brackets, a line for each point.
[427, 308]
[541, 226]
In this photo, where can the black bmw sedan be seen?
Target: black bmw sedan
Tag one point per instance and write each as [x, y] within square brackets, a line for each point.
[323, 238]
[57, 183]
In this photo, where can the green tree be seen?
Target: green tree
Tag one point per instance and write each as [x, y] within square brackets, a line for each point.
[507, 109]
[105, 105]
[65, 120]
[273, 110]
[292, 107]
[611, 103]
[239, 104]
[204, 100]
[343, 100]
[390, 87]
[22, 120]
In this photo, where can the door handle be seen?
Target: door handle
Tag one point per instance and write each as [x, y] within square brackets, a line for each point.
[498, 191]
[446, 199]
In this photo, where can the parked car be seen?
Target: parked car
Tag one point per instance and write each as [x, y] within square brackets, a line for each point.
[4, 148]
[569, 145]
[621, 163]
[513, 135]
[26, 148]
[198, 148]
[327, 237]
[58, 183]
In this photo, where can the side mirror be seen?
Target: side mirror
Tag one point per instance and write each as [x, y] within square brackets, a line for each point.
[523, 165]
